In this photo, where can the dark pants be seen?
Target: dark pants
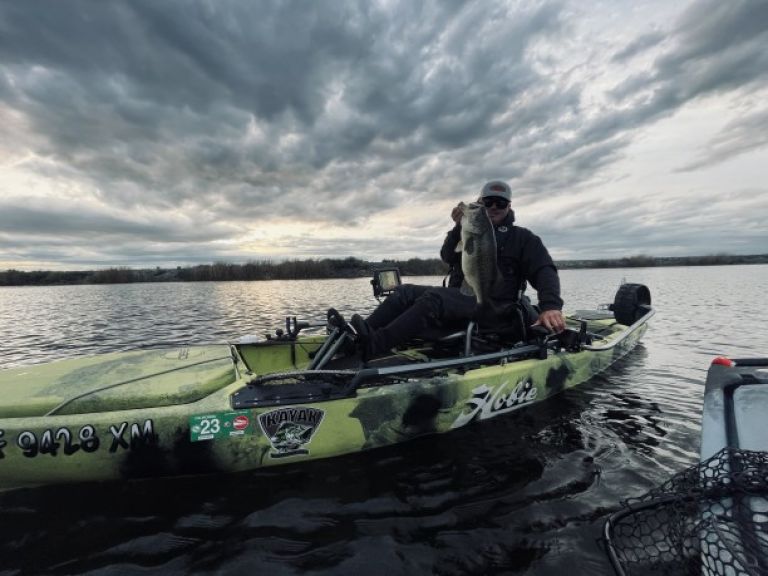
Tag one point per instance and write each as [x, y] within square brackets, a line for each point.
[412, 309]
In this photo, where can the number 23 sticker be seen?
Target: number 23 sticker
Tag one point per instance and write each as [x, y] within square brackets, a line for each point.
[220, 425]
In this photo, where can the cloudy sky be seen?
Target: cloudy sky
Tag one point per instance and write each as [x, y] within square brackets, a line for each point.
[149, 133]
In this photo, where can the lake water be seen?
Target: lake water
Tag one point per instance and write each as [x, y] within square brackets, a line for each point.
[527, 493]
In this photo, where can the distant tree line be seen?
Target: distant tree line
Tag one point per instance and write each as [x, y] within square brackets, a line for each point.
[644, 261]
[225, 271]
[323, 268]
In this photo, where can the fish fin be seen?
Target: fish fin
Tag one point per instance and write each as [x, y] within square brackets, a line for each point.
[466, 289]
[469, 246]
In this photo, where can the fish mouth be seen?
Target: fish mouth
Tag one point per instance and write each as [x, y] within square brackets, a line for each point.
[475, 217]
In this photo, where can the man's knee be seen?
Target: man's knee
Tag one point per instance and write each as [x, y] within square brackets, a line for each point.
[432, 305]
[407, 294]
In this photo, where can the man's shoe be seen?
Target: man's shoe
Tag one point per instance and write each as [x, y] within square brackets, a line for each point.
[335, 321]
[360, 326]
[365, 342]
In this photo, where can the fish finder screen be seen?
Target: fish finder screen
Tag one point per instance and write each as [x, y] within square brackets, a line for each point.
[390, 280]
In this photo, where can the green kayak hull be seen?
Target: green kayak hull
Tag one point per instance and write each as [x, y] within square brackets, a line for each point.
[172, 412]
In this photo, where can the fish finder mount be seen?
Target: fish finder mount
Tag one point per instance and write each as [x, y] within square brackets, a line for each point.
[385, 281]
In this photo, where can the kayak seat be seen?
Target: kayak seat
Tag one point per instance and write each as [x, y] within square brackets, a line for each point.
[472, 337]
[477, 337]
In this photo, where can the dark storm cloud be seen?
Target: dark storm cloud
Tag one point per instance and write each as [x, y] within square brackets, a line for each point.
[265, 57]
[68, 222]
[104, 251]
[215, 117]
[164, 95]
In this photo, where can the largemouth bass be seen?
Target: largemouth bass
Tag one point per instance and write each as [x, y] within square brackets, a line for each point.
[478, 254]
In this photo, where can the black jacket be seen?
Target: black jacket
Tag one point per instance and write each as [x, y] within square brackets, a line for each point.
[521, 257]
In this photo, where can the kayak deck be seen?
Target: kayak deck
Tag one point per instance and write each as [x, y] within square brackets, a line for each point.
[116, 381]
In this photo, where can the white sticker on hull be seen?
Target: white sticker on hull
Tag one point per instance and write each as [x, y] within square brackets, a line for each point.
[489, 402]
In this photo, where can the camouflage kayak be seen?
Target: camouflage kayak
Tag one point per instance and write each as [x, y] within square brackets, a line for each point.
[293, 397]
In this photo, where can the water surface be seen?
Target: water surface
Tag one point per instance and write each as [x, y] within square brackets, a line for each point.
[526, 493]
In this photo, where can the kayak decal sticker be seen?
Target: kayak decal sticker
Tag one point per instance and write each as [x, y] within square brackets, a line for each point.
[289, 430]
[220, 425]
[138, 435]
[487, 402]
[55, 441]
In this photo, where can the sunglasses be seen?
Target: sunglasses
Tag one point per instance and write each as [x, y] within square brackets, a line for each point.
[498, 202]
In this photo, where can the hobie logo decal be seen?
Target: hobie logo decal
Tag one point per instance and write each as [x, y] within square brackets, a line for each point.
[487, 402]
[290, 429]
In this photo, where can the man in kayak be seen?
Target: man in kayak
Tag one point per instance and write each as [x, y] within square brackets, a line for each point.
[520, 257]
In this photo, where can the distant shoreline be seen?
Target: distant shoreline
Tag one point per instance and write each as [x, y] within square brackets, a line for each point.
[325, 269]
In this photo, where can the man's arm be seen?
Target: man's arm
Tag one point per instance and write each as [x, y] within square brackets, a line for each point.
[547, 285]
[548, 288]
[448, 252]
[542, 275]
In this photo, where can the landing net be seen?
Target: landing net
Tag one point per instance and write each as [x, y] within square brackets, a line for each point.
[710, 519]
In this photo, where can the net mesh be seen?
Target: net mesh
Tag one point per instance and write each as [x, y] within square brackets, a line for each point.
[710, 519]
